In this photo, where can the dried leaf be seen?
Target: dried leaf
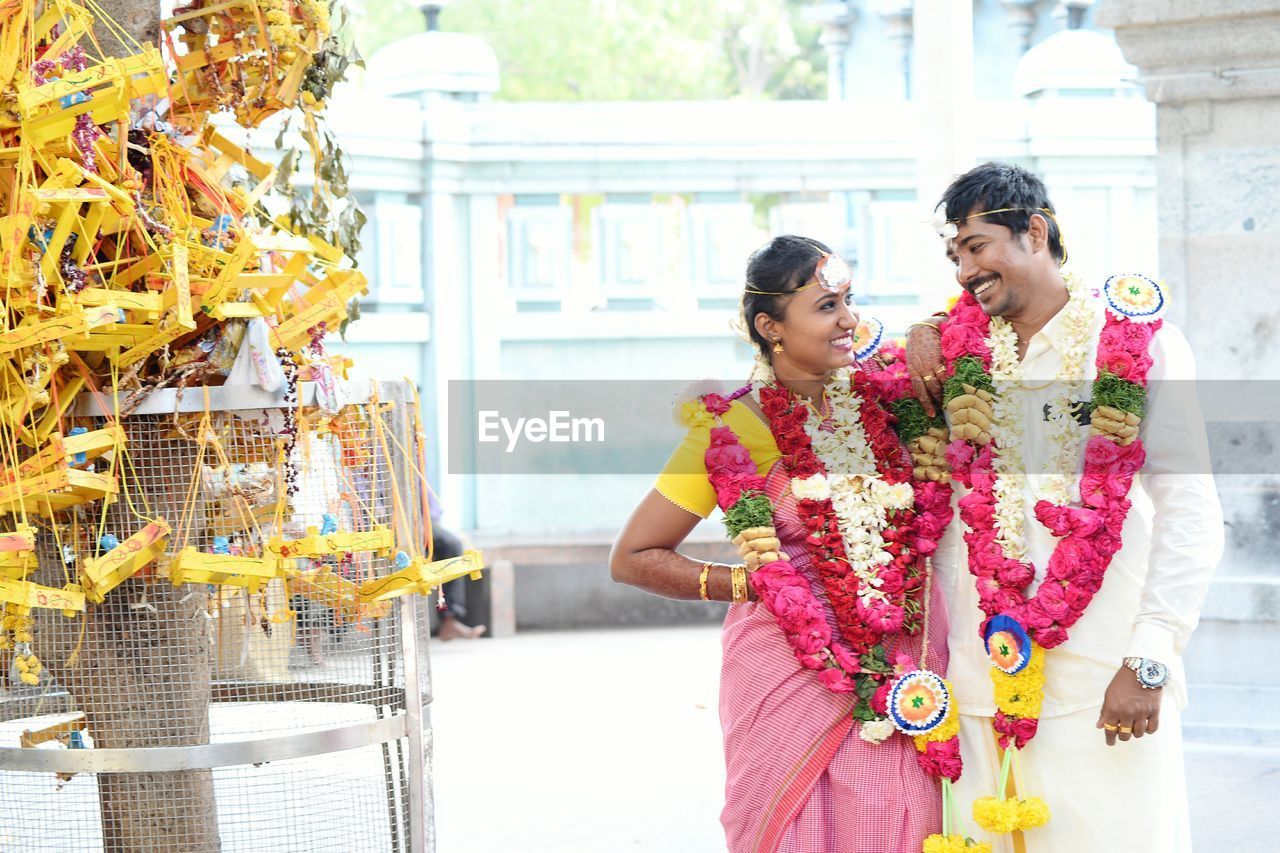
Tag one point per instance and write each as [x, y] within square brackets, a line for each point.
[353, 314]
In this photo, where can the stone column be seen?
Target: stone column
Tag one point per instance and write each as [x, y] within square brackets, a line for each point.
[1022, 20]
[1071, 13]
[898, 18]
[837, 18]
[943, 96]
[1213, 70]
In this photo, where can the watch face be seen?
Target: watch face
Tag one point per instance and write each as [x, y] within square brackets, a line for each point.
[1152, 674]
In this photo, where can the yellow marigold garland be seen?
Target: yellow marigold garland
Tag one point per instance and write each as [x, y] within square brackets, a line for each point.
[695, 414]
[1021, 694]
[1010, 814]
[954, 844]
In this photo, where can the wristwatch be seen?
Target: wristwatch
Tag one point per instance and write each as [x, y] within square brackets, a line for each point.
[1151, 674]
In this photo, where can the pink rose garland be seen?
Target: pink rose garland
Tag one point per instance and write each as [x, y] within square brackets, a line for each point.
[1088, 536]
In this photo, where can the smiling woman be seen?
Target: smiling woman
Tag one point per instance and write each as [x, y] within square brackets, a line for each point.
[817, 494]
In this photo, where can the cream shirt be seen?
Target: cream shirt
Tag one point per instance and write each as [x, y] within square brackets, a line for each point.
[1173, 538]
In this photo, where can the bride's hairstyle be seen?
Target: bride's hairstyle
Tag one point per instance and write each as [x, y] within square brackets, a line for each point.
[774, 272]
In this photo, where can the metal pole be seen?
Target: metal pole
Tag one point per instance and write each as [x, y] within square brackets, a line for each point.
[418, 817]
[394, 820]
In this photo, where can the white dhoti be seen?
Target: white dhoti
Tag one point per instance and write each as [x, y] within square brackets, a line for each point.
[1127, 798]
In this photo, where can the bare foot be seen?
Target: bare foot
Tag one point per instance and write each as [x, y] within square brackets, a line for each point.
[452, 629]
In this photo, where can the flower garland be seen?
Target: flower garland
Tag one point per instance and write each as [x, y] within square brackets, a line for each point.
[785, 592]
[1008, 378]
[982, 396]
[874, 512]
[860, 521]
[916, 693]
[865, 534]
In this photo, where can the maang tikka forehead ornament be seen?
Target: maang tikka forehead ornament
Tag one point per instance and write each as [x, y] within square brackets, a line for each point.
[832, 273]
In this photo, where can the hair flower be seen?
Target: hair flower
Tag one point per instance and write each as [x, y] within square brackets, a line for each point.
[946, 230]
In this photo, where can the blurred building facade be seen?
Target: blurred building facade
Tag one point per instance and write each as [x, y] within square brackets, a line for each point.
[606, 241]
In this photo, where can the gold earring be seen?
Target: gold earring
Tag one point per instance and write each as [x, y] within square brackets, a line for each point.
[777, 346]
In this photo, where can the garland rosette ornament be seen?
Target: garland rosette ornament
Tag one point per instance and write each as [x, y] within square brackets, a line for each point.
[1085, 513]
[867, 338]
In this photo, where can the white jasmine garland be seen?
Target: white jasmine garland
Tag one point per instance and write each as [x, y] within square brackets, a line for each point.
[861, 499]
[876, 731]
[1006, 431]
[815, 488]
[855, 481]
[1059, 485]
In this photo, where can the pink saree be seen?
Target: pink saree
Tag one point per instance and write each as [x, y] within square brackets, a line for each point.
[799, 778]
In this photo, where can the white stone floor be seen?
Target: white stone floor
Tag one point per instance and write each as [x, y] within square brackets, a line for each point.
[589, 741]
[556, 742]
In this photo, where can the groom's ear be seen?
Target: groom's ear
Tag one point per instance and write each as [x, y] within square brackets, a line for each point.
[1038, 233]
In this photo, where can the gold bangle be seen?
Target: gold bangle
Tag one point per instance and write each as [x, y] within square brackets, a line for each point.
[738, 577]
[923, 323]
[702, 581]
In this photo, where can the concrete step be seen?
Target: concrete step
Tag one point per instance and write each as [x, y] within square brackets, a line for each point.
[1225, 651]
[1232, 714]
[1219, 735]
[1243, 598]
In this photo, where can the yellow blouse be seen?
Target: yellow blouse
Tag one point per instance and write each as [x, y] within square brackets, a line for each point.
[684, 479]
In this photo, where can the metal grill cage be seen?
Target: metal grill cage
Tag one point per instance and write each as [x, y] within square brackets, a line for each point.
[216, 717]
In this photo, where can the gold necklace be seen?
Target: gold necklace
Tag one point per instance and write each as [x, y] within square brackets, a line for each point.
[821, 413]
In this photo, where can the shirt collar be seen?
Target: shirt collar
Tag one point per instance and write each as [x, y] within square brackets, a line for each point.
[1053, 334]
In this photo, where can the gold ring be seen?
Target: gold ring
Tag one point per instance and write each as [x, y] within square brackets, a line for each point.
[1125, 730]
[1110, 727]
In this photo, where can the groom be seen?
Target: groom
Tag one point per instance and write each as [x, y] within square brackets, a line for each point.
[1107, 754]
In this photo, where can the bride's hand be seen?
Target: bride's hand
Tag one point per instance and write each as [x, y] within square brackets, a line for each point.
[925, 364]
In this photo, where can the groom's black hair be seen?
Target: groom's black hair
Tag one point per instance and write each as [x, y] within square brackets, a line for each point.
[995, 186]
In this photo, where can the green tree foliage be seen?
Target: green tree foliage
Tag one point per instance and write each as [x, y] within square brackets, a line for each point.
[569, 50]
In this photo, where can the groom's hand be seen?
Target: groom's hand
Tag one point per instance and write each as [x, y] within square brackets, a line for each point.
[1129, 709]
[925, 364]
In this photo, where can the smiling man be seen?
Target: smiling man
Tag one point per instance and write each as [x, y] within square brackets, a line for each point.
[1071, 595]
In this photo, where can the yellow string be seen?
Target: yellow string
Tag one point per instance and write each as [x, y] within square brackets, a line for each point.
[420, 437]
[397, 506]
[197, 472]
[148, 516]
[106, 20]
[243, 507]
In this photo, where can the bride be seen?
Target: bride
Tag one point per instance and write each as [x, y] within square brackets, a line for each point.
[826, 647]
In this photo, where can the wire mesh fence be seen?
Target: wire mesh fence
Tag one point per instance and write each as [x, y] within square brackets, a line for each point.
[294, 708]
